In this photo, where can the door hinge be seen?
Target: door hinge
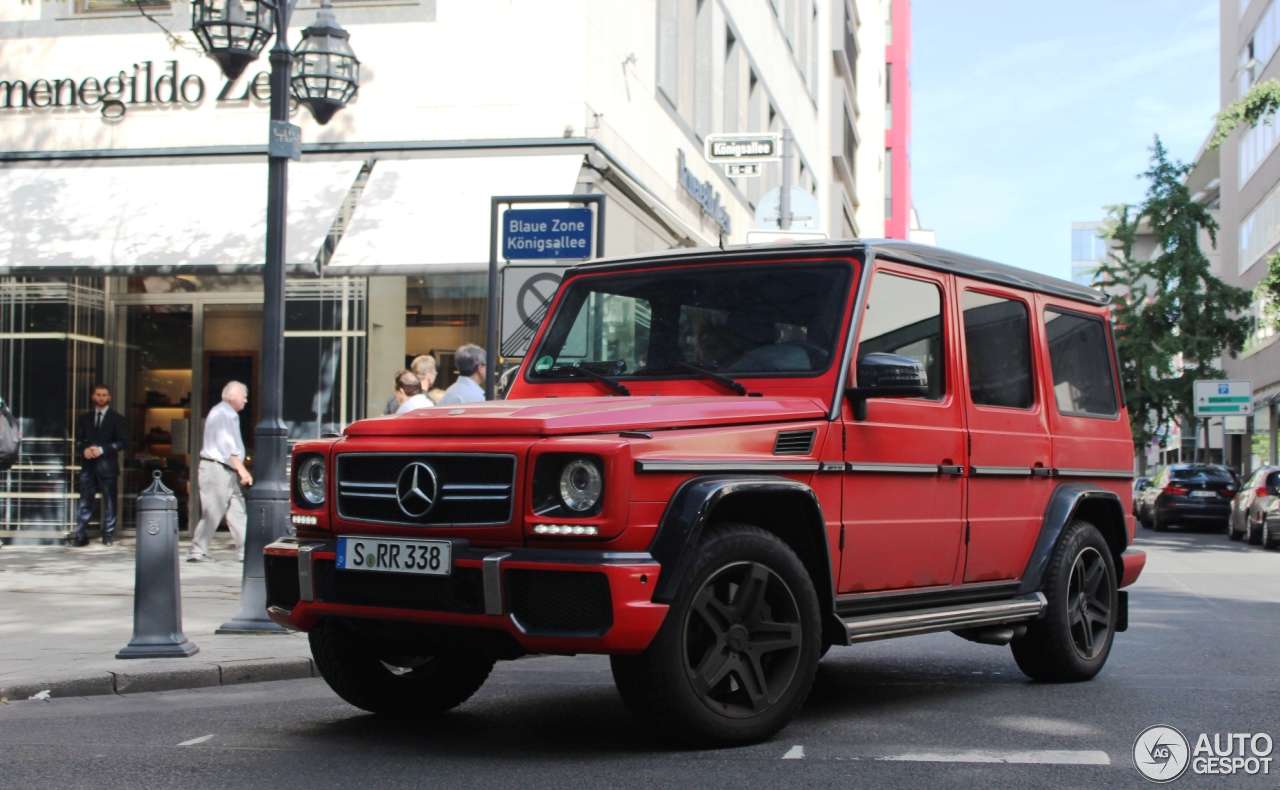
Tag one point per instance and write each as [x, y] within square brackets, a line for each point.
[966, 533]
[842, 537]
[844, 438]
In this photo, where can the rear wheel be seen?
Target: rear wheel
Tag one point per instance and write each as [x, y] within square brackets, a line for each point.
[1231, 528]
[737, 653]
[1270, 540]
[1157, 523]
[1253, 535]
[382, 677]
[1073, 639]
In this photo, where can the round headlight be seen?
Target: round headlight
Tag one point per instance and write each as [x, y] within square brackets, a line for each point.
[311, 480]
[581, 484]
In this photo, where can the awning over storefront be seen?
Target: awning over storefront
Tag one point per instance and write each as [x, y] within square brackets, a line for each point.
[436, 211]
[120, 216]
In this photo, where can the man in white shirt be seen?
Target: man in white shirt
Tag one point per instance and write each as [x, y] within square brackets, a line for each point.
[469, 388]
[409, 393]
[222, 473]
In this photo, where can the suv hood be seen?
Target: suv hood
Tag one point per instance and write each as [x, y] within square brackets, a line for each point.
[554, 416]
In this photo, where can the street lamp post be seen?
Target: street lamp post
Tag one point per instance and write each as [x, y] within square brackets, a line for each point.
[324, 76]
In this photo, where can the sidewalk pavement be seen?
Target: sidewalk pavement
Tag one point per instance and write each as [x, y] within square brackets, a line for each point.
[64, 613]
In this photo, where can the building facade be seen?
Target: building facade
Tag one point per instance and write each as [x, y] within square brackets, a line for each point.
[1244, 176]
[132, 182]
[898, 208]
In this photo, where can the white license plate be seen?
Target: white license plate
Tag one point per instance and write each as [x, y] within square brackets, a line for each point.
[430, 557]
[1205, 494]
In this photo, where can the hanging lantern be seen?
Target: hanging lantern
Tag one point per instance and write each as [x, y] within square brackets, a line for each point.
[326, 72]
[233, 32]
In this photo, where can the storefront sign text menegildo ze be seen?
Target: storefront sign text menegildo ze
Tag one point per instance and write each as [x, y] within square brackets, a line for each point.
[145, 85]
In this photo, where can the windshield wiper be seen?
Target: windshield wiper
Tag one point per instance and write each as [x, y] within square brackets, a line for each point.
[723, 381]
[617, 387]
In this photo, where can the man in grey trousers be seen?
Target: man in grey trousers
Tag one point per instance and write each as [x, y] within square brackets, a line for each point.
[222, 473]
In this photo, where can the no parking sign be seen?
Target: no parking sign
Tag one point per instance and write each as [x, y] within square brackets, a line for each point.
[527, 292]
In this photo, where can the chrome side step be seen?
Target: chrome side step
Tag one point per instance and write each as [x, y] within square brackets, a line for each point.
[869, 628]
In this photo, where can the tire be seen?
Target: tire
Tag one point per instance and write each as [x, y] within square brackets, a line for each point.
[1253, 536]
[1269, 540]
[358, 669]
[1144, 521]
[704, 680]
[1073, 639]
[1159, 524]
[1231, 529]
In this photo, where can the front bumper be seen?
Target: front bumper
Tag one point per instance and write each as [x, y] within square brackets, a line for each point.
[549, 601]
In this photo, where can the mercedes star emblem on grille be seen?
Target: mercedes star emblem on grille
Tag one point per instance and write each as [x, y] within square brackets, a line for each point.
[416, 489]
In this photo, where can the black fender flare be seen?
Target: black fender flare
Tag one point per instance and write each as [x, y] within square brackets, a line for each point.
[691, 507]
[1064, 503]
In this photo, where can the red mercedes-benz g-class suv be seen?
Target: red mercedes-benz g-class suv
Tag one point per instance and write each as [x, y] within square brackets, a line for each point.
[716, 464]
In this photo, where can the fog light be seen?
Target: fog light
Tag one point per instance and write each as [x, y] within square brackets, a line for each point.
[565, 529]
[303, 521]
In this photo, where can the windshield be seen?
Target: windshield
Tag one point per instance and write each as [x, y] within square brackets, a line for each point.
[761, 319]
[1209, 474]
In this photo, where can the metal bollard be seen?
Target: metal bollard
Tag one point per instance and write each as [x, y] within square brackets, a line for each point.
[157, 598]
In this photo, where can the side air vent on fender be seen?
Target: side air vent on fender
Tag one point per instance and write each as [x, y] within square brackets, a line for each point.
[794, 442]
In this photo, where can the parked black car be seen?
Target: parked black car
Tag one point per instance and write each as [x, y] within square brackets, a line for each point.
[1270, 533]
[1190, 494]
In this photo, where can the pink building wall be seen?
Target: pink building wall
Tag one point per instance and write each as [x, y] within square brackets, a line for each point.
[897, 138]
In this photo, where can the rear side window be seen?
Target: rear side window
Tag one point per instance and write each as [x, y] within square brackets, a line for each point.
[997, 335]
[1202, 474]
[1082, 378]
[904, 317]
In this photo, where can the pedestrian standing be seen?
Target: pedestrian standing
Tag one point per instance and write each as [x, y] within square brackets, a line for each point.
[100, 436]
[221, 474]
[469, 388]
[424, 367]
[409, 393]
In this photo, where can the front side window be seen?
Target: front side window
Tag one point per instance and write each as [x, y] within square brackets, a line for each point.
[997, 336]
[1081, 361]
[762, 319]
[904, 317]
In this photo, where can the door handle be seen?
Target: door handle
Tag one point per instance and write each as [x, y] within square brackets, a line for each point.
[948, 469]
[1041, 471]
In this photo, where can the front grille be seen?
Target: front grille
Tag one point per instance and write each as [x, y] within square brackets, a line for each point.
[794, 442]
[560, 603]
[461, 592]
[282, 580]
[474, 489]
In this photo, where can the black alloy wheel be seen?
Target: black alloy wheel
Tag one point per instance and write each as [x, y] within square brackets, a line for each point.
[742, 639]
[1089, 595]
[738, 650]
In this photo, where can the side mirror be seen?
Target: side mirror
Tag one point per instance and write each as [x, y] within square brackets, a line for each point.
[886, 376]
[1144, 485]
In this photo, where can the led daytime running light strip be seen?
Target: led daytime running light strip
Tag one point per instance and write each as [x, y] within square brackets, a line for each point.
[564, 529]
[303, 520]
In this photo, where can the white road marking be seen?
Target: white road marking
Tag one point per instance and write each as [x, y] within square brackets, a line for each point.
[194, 741]
[794, 753]
[1037, 757]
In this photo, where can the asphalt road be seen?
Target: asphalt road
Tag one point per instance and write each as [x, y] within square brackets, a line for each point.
[1202, 654]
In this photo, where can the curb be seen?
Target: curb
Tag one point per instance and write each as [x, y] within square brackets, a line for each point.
[136, 681]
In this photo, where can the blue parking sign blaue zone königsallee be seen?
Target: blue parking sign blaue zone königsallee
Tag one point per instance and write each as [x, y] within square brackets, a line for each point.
[547, 234]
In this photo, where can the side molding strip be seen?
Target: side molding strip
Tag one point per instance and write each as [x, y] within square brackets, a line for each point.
[894, 469]
[1117, 474]
[1000, 471]
[725, 467]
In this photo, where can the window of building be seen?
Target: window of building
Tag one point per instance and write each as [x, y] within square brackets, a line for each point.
[888, 183]
[904, 317]
[732, 81]
[702, 54]
[888, 95]
[100, 6]
[997, 337]
[1087, 245]
[1256, 144]
[1081, 361]
[669, 50]
[1260, 231]
[888, 22]
[849, 145]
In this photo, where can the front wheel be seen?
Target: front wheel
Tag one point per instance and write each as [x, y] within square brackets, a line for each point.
[386, 678]
[738, 651]
[1231, 529]
[1073, 639]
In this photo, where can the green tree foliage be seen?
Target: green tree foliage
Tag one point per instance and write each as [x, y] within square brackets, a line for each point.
[1174, 310]
[1259, 104]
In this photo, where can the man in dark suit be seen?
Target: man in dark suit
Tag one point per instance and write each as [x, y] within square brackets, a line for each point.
[100, 437]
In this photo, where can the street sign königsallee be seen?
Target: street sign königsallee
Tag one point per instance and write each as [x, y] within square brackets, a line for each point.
[1217, 398]
[547, 234]
[743, 148]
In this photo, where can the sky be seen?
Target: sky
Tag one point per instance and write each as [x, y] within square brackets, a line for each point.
[1028, 115]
